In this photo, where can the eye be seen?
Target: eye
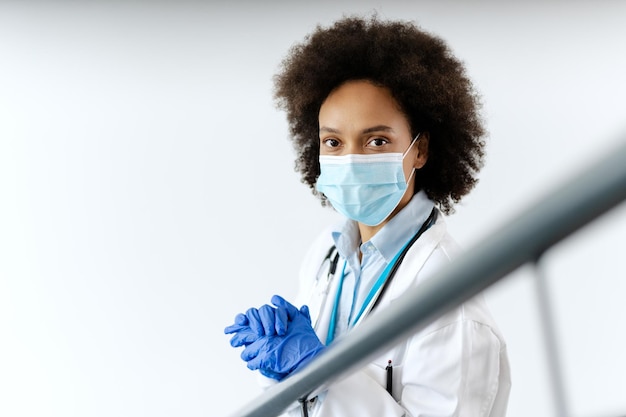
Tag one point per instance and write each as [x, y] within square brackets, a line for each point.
[377, 142]
[331, 142]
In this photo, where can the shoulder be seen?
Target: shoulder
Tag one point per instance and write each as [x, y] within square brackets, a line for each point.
[434, 249]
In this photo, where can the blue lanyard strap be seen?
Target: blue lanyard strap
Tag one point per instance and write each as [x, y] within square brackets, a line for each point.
[333, 317]
[380, 284]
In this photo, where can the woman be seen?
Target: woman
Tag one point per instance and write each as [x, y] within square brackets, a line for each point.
[386, 128]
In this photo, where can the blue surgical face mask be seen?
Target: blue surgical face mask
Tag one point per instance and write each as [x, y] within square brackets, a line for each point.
[365, 188]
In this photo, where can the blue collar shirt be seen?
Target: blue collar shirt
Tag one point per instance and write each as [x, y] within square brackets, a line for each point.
[359, 276]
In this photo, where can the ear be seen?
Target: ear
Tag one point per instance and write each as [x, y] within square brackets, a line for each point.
[422, 151]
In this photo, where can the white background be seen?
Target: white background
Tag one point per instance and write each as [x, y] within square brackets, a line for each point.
[147, 193]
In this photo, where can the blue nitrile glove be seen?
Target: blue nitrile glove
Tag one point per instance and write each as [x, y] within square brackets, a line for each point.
[266, 321]
[279, 356]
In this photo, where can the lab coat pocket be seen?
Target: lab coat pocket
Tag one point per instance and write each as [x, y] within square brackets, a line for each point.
[378, 370]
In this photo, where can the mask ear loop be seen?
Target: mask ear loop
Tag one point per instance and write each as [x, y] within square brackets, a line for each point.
[407, 151]
[411, 145]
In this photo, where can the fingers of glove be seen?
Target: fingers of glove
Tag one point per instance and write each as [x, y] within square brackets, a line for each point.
[254, 321]
[282, 321]
[265, 361]
[254, 363]
[234, 328]
[241, 321]
[268, 319]
[280, 302]
[274, 320]
[243, 337]
[254, 349]
[305, 312]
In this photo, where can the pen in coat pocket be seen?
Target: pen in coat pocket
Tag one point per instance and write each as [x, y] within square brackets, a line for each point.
[389, 370]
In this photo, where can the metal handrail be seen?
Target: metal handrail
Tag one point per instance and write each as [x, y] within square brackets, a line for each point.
[524, 238]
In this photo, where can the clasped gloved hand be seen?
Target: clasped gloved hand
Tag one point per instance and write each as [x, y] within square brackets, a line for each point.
[277, 356]
[278, 340]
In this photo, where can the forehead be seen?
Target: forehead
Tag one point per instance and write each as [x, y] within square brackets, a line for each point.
[360, 102]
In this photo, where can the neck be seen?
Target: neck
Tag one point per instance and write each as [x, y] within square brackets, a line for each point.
[368, 232]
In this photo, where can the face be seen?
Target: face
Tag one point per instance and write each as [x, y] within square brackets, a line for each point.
[361, 118]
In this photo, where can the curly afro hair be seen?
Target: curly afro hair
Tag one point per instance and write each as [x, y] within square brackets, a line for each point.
[427, 81]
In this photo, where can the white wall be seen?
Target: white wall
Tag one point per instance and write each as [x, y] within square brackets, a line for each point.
[147, 193]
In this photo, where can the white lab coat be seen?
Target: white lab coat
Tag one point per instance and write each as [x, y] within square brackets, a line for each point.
[456, 366]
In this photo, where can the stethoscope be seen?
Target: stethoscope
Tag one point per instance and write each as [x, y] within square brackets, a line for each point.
[329, 266]
[323, 280]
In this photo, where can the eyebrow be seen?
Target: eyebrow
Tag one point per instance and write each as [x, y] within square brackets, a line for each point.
[379, 128]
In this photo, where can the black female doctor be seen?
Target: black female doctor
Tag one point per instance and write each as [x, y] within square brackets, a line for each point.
[386, 127]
